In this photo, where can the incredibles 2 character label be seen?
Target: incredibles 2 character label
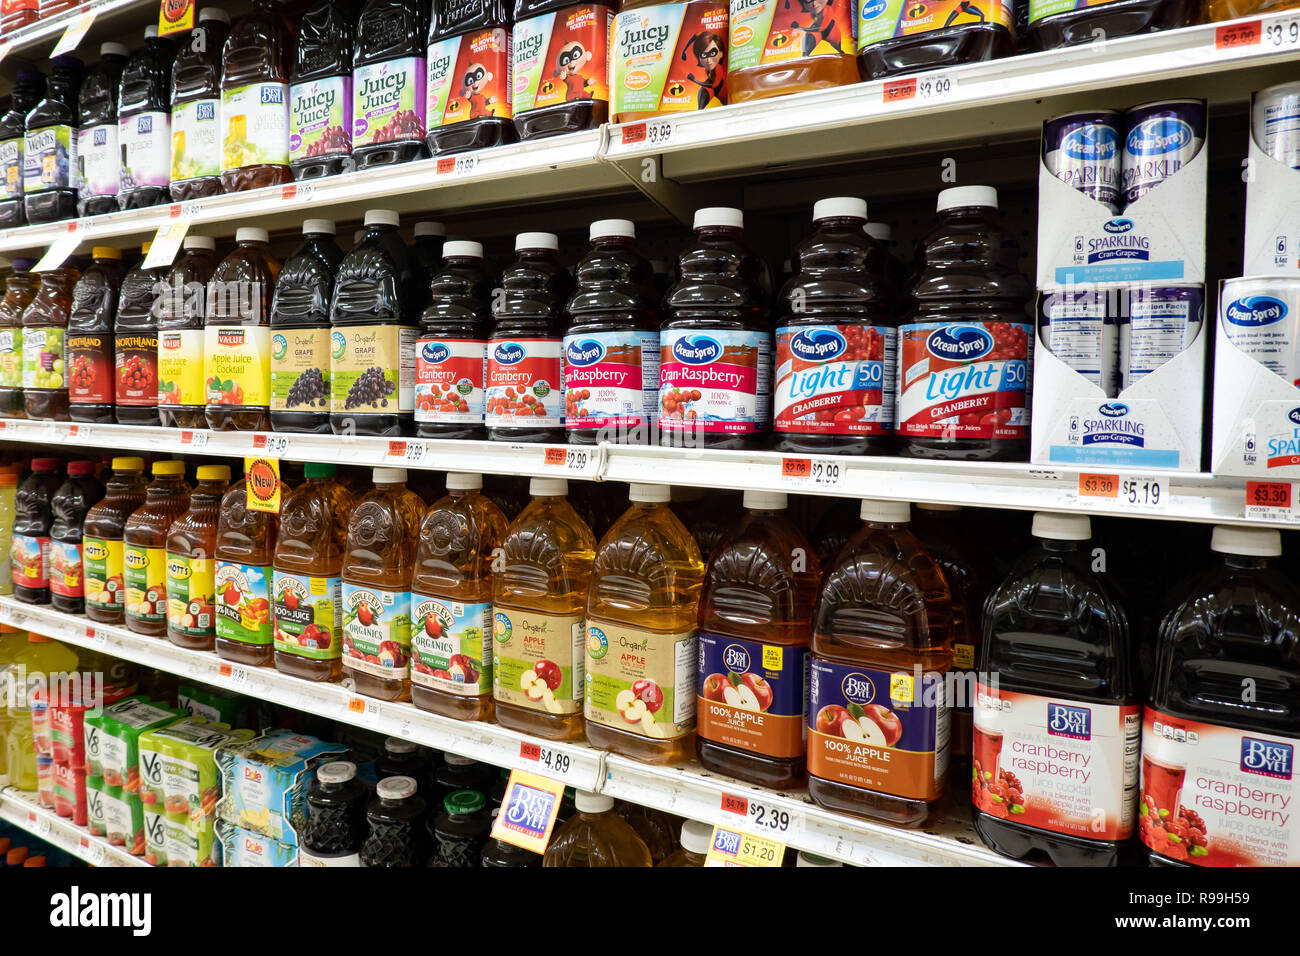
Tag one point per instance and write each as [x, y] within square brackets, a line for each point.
[778, 31]
[468, 78]
[670, 58]
[562, 57]
[884, 19]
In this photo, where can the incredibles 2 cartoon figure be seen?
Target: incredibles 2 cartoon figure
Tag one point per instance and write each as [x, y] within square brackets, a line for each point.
[822, 26]
[707, 49]
[967, 8]
[472, 83]
[570, 60]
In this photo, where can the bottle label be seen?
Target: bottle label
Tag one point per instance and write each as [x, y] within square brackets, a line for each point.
[103, 569]
[320, 118]
[540, 660]
[237, 365]
[11, 358]
[878, 730]
[243, 600]
[562, 57]
[377, 631]
[714, 381]
[524, 379]
[90, 368]
[388, 102]
[835, 379]
[256, 123]
[65, 569]
[753, 696]
[31, 561]
[885, 19]
[196, 140]
[468, 78]
[137, 368]
[611, 379]
[190, 589]
[641, 681]
[300, 369]
[146, 583]
[1046, 8]
[146, 143]
[451, 645]
[180, 367]
[307, 858]
[1066, 766]
[372, 369]
[776, 31]
[308, 615]
[964, 380]
[95, 808]
[670, 58]
[11, 168]
[43, 351]
[100, 162]
[49, 158]
[449, 378]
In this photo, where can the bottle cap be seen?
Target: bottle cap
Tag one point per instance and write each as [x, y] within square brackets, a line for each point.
[113, 49]
[1251, 542]
[651, 494]
[840, 207]
[251, 234]
[464, 802]
[16, 856]
[880, 231]
[319, 469]
[1061, 527]
[22, 265]
[151, 32]
[7, 479]
[396, 788]
[214, 473]
[935, 506]
[548, 487]
[380, 217]
[337, 771]
[463, 249]
[725, 216]
[398, 745]
[463, 481]
[146, 246]
[602, 228]
[214, 13]
[128, 463]
[809, 859]
[161, 468]
[81, 468]
[34, 861]
[199, 242]
[429, 229]
[389, 476]
[537, 240]
[960, 197]
[105, 252]
[888, 512]
[45, 464]
[765, 500]
[589, 802]
[696, 836]
[456, 760]
[316, 226]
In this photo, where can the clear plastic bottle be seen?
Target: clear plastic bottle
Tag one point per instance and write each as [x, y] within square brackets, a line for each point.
[45, 330]
[394, 817]
[300, 332]
[68, 506]
[102, 547]
[469, 95]
[336, 818]
[191, 543]
[28, 90]
[388, 83]
[244, 551]
[135, 344]
[91, 379]
[196, 150]
[697, 837]
[1053, 25]
[182, 313]
[144, 123]
[656, 828]
[596, 836]
[256, 63]
[900, 42]
[451, 352]
[237, 335]
[99, 160]
[561, 66]
[320, 92]
[460, 830]
[145, 548]
[31, 534]
[763, 36]
[50, 146]
[20, 290]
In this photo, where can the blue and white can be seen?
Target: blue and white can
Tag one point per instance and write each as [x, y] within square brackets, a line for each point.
[1078, 327]
[1083, 149]
[1155, 325]
[1275, 122]
[1159, 140]
[1261, 317]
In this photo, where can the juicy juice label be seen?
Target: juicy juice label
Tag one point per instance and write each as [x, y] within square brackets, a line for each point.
[11, 358]
[43, 351]
[65, 569]
[103, 569]
[641, 681]
[190, 590]
[670, 58]
[372, 369]
[136, 364]
[146, 583]
[376, 631]
[1217, 796]
[90, 368]
[320, 118]
[753, 696]
[524, 377]
[885, 19]
[611, 379]
[964, 380]
[296, 353]
[835, 379]
[388, 102]
[562, 57]
[49, 159]
[714, 381]
[11, 168]
[307, 615]
[30, 557]
[778, 31]
[180, 367]
[237, 365]
[255, 119]
[449, 380]
[196, 140]
[451, 645]
[878, 730]
[468, 78]
[243, 602]
[540, 660]
[1060, 765]
[1046, 8]
[146, 143]
[99, 162]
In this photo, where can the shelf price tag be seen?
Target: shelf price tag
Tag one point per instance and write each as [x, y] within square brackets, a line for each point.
[1269, 501]
[456, 165]
[415, 452]
[898, 91]
[363, 711]
[166, 243]
[1144, 493]
[528, 811]
[760, 817]
[804, 473]
[1282, 34]
[37, 824]
[97, 638]
[302, 191]
[1233, 36]
[59, 250]
[195, 439]
[573, 460]
[1098, 486]
[274, 444]
[234, 674]
[557, 762]
[732, 848]
[74, 34]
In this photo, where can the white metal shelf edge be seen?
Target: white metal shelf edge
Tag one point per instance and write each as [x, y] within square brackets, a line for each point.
[21, 809]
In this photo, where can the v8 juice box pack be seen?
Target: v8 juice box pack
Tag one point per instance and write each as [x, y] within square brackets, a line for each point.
[113, 736]
[240, 847]
[179, 768]
[265, 782]
[214, 704]
[187, 845]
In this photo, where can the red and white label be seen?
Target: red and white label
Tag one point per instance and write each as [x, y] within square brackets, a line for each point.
[449, 380]
[524, 382]
[714, 381]
[835, 379]
[611, 379]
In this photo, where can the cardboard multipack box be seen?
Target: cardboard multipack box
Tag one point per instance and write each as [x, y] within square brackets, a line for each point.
[265, 782]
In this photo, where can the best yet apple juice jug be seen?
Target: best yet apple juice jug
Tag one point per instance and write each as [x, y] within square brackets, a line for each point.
[196, 148]
[68, 506]
[145, 548]
[255, 66]
[102, 545]
[181, 392]
[92, 385]
[237, 336]
[245, 548]
[469, 94]
[191, 567]
[561, 66]
[790, 46]
[668, 58]
[30, 551]
[388, 83]
[135, 345]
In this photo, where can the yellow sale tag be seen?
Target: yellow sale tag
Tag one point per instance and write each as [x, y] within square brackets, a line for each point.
[166, 243]
[262, 486]
[901, 688]
[528, 811]
[963, 656]
[772, 657]
[732, 848]
[175, 16]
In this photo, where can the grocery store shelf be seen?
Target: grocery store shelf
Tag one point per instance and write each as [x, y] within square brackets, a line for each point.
[36, 40]
[21, 808]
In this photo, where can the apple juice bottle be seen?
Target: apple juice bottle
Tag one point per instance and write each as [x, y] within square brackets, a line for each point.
[596, 836]
[145, 548]
[191, 543]
[102, 541]
[245, 548]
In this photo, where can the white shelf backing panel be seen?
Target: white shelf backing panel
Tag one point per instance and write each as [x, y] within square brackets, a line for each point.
[21, 808]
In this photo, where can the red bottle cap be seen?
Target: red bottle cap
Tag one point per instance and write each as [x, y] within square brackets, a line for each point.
[45, 464]
[35, 861]
[81, 468]
[16, 856]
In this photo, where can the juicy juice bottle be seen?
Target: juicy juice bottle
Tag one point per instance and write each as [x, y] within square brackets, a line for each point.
[102, 548]
[255, 66]
[668, 58]
[20, 290]
[1053, 25]
[244, 551]
[135, 344]
[1056, 640]
[181, 393]
[144, 123]
[145, 548]
[467, 103]
[451, 352]
[99, 161]
[892, 39]
[320, 93]
[28, 90]
[191, 542]
[196, 108]
[388, 83]
[300, 332]
[789, 46]
[50, 147]
[91, 382]
[561, 66]
[68, 506]
[237, 336]
[30, 554]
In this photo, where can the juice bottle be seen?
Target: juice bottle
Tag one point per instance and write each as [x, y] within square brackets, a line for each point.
[102, 544]
[451, 602]
[50, 146]
[460, 830]
[18, 13]
[451, 352]
[657, 829]
[394, 818]
[645, 592]
[69, 506]
[320, 93]
[882, 646]
[91, 382]
[144, 538]
[539, 603]
[196, 150]
[526, 347]
[20, 290]
[144, 123]
[596, 836]
[237, 335]
[255, 66]
[307, 583]
[697, 837]
[135, 343]
[336, 818]
[716, 331]
[429, 240]
[837, 340]
[755, 623]
[790, 46]
[8, 492]
[498, 854]
[388, 83]
[892, 41]
[668, 58]
[29, 89]
[45, 323]
[468, 99]
[561, 66]
[191, 568]
[181, 392]
[1066, 696]
[967, 327]
[402, 758]
[99, 162]
[1053, 25]
[300, 332]
[244, 552]
[710, 517]
[611, 344]
[378, 562]
[31, 537]
[460, 773]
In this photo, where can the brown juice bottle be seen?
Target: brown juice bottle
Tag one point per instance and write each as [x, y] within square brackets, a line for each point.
[668, 58]
[237, 336]
[181, 394]
[389, 83]
[245, 549]
[102, 547]
[69, 506]
[145, 548]
[893, 40]
[45, 324]
[20, 290]
[790, 46]
[196, 107]
[468, 101]
[561, 66]
[135, 344]
[91, 381]
[255, 66]
[30, 545]
[191, 617]
[320, 97]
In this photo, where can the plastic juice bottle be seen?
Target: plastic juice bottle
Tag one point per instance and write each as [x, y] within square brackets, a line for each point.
[69, 506]
[181, 392]
[498, 854]
[468, 98]
[20, 290]
[45, 322]
[755, 623]
[99, 161]
[402, 758]
[255, 67]
[320, 93]
[596, 836]
[8, 494]
[50, 146]
[336, 818]
[31, 536]
[144, 538]
[882, 646]
[968, 327]
[716, 331]
[709, 517]
[300, 332]
[196, 149]
[191, 568]
[526, 346]
[451, 352]
[102, 549]
[1053, 25]
[307, 583]
[383, 532]
[539, 603]
[657, 829]
[451, 602]
[29, 89]
[668, 58]
[892, 41]
[245, 549]
[395, 820]
[645, 591]
[429, 240]
[91, 382]
[388, 83]
[135, 343]
[144, 123]
[237, 335]
[561, 65]
[789, 46]
[697, 837]
[459, 773]
[460, 830]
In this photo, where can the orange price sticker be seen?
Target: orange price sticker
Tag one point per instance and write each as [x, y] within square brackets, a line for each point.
[1098, 486]
[1231, 36]
[530, 751]
[74, 431]
[734, 804]
[796, 467]
[554, 456]
[633, 134]
[397, 449]
[1268, 494]
[356, 705]
[446, 164]
[896, 91]
[259, 441]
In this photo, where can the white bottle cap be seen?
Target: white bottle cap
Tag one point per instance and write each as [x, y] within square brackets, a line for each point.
[464, 481]
[397, 745]
[809, 859]
[118, 49]
[200, 242]
[548, 487]
[430, 229]
[380, 217]
[1061, 527]
[337, 771]
[317, 225]
[612, 227]
[151, 31]
[396, 788]
[935, 506]
[959, 197]
[765, 500]
[839, 207]
[888, 512]
[1252, 542]
[637, 491]
[537, 240]
[589, 802]
[214, 13]
[725, 216]
[462, 248]
[456, 760]
[389, 476]
[696, 836]
[251, 234]
[880, 231]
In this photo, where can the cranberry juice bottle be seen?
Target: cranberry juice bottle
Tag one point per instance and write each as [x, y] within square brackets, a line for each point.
[181, 394]
[135, 345]
[255, 67]
[28, 90]
[561, 66]
[196, 108]
[50, 146]
[451, 353]
[468, 100]
[91, 381]
[30, 556]
[69, 506]
[300, 332]
[320, 93]
[144, 123]
[388, 83]
[99, 160]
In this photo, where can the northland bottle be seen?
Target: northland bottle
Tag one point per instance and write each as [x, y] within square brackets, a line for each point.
[135, 344]
[451, 352]
[99, 161]
[91, 377]
[144, 123]
[196, 108]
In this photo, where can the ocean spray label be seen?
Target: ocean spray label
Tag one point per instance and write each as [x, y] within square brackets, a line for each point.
[450, 375]
[388, 102]
[714, 381]
[524, 381]
[611, 379]
[835, 379]
[320, 118]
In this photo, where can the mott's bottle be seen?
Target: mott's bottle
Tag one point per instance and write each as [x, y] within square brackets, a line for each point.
[882, 646]
[320, 93]
[102, 545]
[596, 836]
[92, 384]
[237, 336]
[789, 46]
[135, 344]
[99, 160]
[181, 392]
[245, 549]
[300, 332]
[836, 340]
[191, 568]
[388, 83]
[20, 290]
[255, 66]
[145, 548]
[645, 591]
[755, 620]
[668, 58]
[68, 506]
[895, 36]
[196, 148]
[451, 352]
[378, 563]
[45, 329]
[50, 147]
[539, 609]
[468, 98]
[29, 89]
[561, 66]
[30, 555]
[144, 123]
[1217, 763]
[1058, 23]
[1055, 764]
